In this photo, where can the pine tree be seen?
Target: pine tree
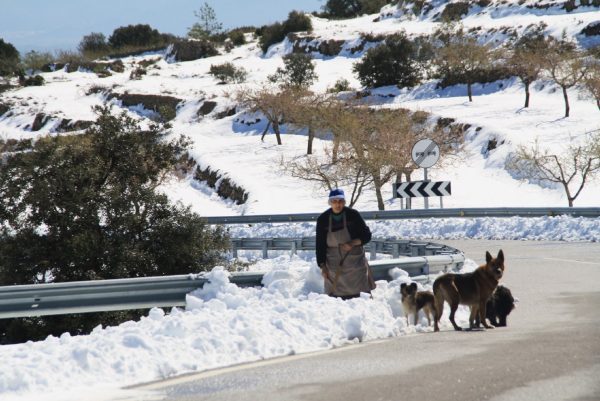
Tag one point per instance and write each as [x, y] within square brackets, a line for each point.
[208, 24]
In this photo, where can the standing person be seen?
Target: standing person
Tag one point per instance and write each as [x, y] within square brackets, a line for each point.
[341, 234]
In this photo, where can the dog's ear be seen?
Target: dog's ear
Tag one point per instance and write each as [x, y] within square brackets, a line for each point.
[500, 256]
[402, 286]
[488, 257]
[413, 285]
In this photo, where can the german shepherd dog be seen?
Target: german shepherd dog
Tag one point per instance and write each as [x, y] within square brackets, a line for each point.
[472, 289]
[413, 301]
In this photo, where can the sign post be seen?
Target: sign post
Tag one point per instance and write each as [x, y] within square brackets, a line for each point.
[425, 153]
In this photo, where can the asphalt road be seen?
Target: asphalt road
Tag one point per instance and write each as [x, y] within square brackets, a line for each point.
[549, 351]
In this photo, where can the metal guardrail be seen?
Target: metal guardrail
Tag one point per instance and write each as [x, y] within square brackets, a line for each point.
[394, 247]
[168, 291]
[418, 214]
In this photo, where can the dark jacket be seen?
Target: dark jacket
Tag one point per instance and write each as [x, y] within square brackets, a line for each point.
[356, 227]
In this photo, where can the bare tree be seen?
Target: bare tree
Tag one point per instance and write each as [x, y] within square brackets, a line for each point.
[526, 60]
[307, 112]
[565, 65]
[591, 81]
[273, 103]
[571, 169]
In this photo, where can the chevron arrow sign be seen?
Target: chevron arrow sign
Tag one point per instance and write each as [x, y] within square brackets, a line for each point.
[416, 189]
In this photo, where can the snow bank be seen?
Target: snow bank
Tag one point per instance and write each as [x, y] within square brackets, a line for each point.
[222, 325]
[558, 228]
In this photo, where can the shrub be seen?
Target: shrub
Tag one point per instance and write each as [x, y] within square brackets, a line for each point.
[391, 63]
[187, 50]
[101, 220]
[135, 35]
[297, 21]
[64, 57]
[372, 6]
[454, 11]
[34, 61]
[94, 45]
[227, 73]
[36, 80]
[352, 8]
[341, 8]
[9, 58]
[137, 73]
[271, 34]
[237, 37]
[341, 85]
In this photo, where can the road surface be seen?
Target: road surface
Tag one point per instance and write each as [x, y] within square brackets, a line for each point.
[549, 351]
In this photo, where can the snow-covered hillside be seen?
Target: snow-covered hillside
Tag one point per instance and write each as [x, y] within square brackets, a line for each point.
[236, 150]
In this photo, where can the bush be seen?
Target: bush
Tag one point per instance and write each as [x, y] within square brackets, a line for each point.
[275, 33]
[9, 58]
[135, 35]
[454, 11]
[391, 63]
[342, 8]
[34, 61]
[372, 6]
[237, 37]
[297, 21]
[339, 9]
[271, 34]
[102, 219]
[64, 57]
[341, 85]
[188, 50]
[36, 80]
[94, 45]
[227, 73]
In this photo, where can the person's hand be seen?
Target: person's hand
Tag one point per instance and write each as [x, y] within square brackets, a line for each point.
[347, 247]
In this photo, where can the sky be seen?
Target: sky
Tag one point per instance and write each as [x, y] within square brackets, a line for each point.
[60, 24]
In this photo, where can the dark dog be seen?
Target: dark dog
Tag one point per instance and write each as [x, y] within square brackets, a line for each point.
[472, 289]
[499, 306]
[413, 301]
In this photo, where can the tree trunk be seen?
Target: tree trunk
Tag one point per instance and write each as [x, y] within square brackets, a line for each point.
[469, 92]
[566, 101]
[262, 138]
[526, 94]
[276, 130]
[311, 136]
[570, 199]
[334, 152]
[377, 183]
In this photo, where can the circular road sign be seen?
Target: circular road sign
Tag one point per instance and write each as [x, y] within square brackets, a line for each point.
[425, 153]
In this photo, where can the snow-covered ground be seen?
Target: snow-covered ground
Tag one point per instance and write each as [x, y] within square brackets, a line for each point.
[222, 324]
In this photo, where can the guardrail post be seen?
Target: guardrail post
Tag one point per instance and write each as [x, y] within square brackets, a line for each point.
[234, 249]
[373, 250]
[395, 250]
[293, 248]
[265, 249]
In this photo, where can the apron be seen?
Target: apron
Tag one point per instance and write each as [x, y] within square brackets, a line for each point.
[349, 271]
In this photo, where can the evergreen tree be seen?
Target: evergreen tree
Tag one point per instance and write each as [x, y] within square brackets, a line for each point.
[208, 24]
[298, 71]
[391, 63]
[9, 58]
